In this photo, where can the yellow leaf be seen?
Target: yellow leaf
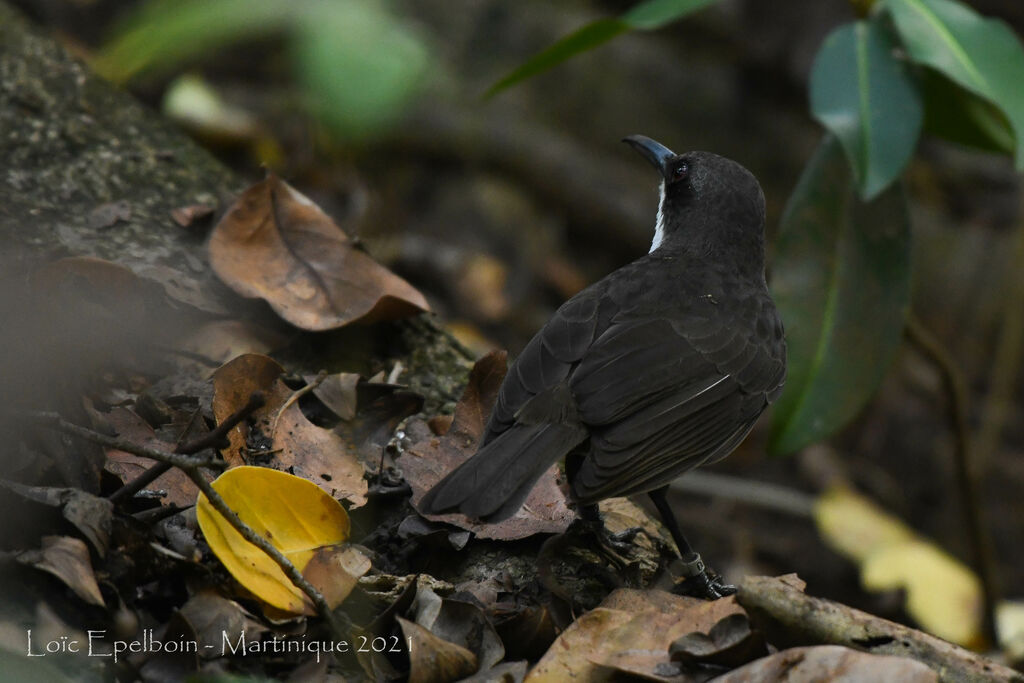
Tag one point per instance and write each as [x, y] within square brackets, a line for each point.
[943, 595]
[854, 526]
[294, 514]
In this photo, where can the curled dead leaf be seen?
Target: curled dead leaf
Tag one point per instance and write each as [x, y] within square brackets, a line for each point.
[66, 558]
[335, 571]
[426, 462]
[274, 243]
[433, 659]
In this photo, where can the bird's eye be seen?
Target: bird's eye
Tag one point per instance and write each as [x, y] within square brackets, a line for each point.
[680, 171]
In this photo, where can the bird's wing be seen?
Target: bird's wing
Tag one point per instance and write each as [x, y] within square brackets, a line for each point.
[662, 397]
[546, 362]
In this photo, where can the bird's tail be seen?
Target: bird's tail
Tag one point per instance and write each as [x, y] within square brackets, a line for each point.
[495, 482]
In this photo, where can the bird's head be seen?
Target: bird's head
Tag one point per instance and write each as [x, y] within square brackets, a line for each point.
[709, 205]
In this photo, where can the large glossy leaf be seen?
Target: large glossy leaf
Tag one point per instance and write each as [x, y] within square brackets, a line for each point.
[865, 95]
[841, 280]
[645, 16]
[954, 113]
[983, 55]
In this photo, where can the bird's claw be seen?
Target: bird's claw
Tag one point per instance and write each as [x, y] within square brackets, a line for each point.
[702, 582]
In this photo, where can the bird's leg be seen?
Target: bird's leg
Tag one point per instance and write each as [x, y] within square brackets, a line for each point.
[700, 581]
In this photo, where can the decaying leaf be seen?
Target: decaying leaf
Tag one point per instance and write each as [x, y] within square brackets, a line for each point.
[426, 462]
[178, 489]
[221, 340]
[335, 570]
[288, 441]
[459, 622]
[433, 659]
[640, 623]
[276, 244]
[338, 392]
[291, 512]
[90, 514]
[214, 617]
[830, 663]
[943, 595]
[68, 559]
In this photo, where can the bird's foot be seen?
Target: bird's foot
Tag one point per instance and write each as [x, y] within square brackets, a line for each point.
[615, 548]
[702, 582]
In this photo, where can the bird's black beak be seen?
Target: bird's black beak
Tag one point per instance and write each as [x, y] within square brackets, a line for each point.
[655, 152]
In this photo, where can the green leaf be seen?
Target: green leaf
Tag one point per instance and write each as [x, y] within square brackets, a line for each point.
[654, 14]
[841, 280]
[163, 33]
[866, 97]
[586, 38]
[982, 55]
[958, 115]
[359, 65]
[644, 16]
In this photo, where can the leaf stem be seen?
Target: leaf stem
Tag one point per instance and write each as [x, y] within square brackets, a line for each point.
[968, 478]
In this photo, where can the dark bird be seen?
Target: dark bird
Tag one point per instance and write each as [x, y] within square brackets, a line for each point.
[660, 367]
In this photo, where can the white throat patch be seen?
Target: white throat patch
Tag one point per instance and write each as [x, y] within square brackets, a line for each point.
[659, 226]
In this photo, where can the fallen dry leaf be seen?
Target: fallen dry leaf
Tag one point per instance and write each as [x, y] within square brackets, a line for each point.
[289, 441]
[433, 659]
[640, 623]
[338, 392]
[830, 663]
[276, 244]
[335, 571]
[214, 618]
[222, 340]
[187, 216]
[179, 490]
[294, 514]
[66, 558]
[426, 462]
[91, 515]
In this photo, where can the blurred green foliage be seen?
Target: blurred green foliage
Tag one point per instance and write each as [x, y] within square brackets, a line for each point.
[358, 63]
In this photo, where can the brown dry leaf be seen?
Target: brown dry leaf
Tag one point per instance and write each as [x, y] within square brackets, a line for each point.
[292, 513]
[91, 515]
[276, 244]
[68, 559]
[222, 340]
[179, 489]
[293, 443]
[426, 462]
[214, 618]
[338, 392]
[187, 216]
[433, 659]
[640, 623]
[830, 663]
[335, 571]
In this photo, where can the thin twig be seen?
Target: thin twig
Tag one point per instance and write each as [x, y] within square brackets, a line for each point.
[746, 491]
[967, 474]
[215, 438]
[1007, 356]
[55, 421]
[296, 395]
